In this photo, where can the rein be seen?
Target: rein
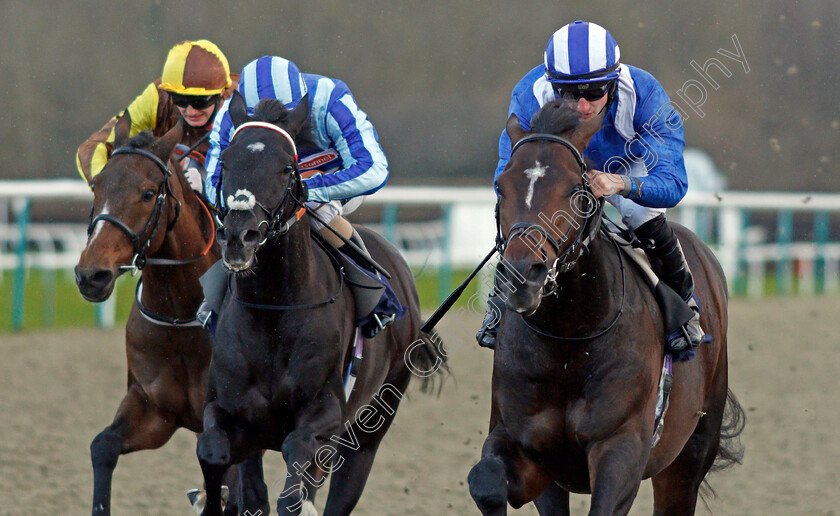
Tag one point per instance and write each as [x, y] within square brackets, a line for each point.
[288, 308]
[610, 326]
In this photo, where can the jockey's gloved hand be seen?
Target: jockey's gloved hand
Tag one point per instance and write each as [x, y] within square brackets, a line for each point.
[194, 177]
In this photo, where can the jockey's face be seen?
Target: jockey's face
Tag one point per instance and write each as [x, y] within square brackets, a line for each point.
[588, 101]
[197, 117]
[590, 108]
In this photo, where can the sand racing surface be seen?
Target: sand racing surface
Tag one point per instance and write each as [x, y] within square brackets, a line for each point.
[59, 389]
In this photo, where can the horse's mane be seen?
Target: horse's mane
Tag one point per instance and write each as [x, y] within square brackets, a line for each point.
[273, 111]
[556, 117]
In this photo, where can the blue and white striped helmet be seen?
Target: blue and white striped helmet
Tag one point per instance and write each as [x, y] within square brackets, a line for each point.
[272, 77]
[581, 52]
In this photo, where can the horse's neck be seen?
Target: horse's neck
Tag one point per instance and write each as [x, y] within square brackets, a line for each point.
[174, 289]
[285, 272]
[587, 297]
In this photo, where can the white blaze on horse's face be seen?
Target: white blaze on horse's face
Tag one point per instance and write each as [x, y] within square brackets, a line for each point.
[533, 173]
[99, 224]
[256, 147]
[242, 200]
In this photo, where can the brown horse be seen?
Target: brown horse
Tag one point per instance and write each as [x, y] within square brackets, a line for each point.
[580, 351]
[146, 216]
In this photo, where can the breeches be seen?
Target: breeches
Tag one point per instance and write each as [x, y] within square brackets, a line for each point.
[330, 210]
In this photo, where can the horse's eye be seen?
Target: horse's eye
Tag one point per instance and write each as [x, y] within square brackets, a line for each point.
[289, 169]
[148, 195]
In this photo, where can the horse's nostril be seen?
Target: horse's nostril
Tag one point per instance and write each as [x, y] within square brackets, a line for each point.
[251, 237]
[537, 272]
[101, 277]
[220, 235]
[95, 278]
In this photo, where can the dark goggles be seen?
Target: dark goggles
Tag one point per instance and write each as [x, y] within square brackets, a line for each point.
[589, 91]
[196, 101]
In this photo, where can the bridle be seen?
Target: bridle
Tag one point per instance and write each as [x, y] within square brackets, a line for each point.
[589, 222]
[277, 223]
[280, 219]
[139, 260]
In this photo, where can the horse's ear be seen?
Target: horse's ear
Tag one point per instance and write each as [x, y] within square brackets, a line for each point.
[122, 130]
[299, 114]
[237, 109]
[167, 143]
[514, 129]
[586, 130]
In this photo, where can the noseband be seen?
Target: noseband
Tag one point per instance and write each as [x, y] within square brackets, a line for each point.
[139, 260]
[278, 220]
[566, 259]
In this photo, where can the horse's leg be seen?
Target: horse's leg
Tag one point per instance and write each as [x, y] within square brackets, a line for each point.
[615, 473]
[215, 454]
[504, 475]
[553, 502]
[252, 492]
[675, 488]
[137, 425]
[299, 449]
[354, 460]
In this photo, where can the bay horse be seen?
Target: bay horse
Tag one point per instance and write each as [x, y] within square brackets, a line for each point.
[580, 350]
[284, 339]
[146, 217]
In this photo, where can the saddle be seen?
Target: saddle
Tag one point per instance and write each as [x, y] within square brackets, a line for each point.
[375, 301]
[675, 312]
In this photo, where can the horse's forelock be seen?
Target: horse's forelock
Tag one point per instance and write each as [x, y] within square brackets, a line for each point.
[142, 140]
[556, 117]
[273, 111]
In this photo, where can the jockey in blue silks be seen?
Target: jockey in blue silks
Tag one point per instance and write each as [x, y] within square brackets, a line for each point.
[638, 152]
[347, 164]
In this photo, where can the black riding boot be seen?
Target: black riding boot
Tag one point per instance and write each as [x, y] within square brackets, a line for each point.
[362, 293]
[659, 242]
[486, 335]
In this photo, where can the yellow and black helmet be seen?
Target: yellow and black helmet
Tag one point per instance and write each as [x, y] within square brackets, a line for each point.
[195, 68]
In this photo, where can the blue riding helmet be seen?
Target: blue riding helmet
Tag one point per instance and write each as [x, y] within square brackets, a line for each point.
[580, 53]
[271, 77]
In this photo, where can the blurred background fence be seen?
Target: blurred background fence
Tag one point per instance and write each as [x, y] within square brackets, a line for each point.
[769, 243]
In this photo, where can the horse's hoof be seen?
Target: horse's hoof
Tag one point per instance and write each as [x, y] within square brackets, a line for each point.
[198, 499]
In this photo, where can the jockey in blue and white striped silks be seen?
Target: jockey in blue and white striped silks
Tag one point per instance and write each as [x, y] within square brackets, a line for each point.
[642, 131]
[348, 154]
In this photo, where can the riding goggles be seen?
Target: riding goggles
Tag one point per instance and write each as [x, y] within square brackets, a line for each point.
[196, 101]
[589, 91]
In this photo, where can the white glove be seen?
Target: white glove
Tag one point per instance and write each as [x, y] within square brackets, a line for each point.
[194, 177]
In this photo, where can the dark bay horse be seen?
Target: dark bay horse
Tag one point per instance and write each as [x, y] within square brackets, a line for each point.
[284, 340]
[580, 351]
[146, 216]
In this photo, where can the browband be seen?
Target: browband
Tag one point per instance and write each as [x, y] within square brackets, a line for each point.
[266, 125]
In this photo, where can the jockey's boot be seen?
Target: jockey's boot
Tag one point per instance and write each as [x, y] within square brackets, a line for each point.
[214, 284]
[660, 242]
[207, 317]
[486, 335]
[362, 293]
